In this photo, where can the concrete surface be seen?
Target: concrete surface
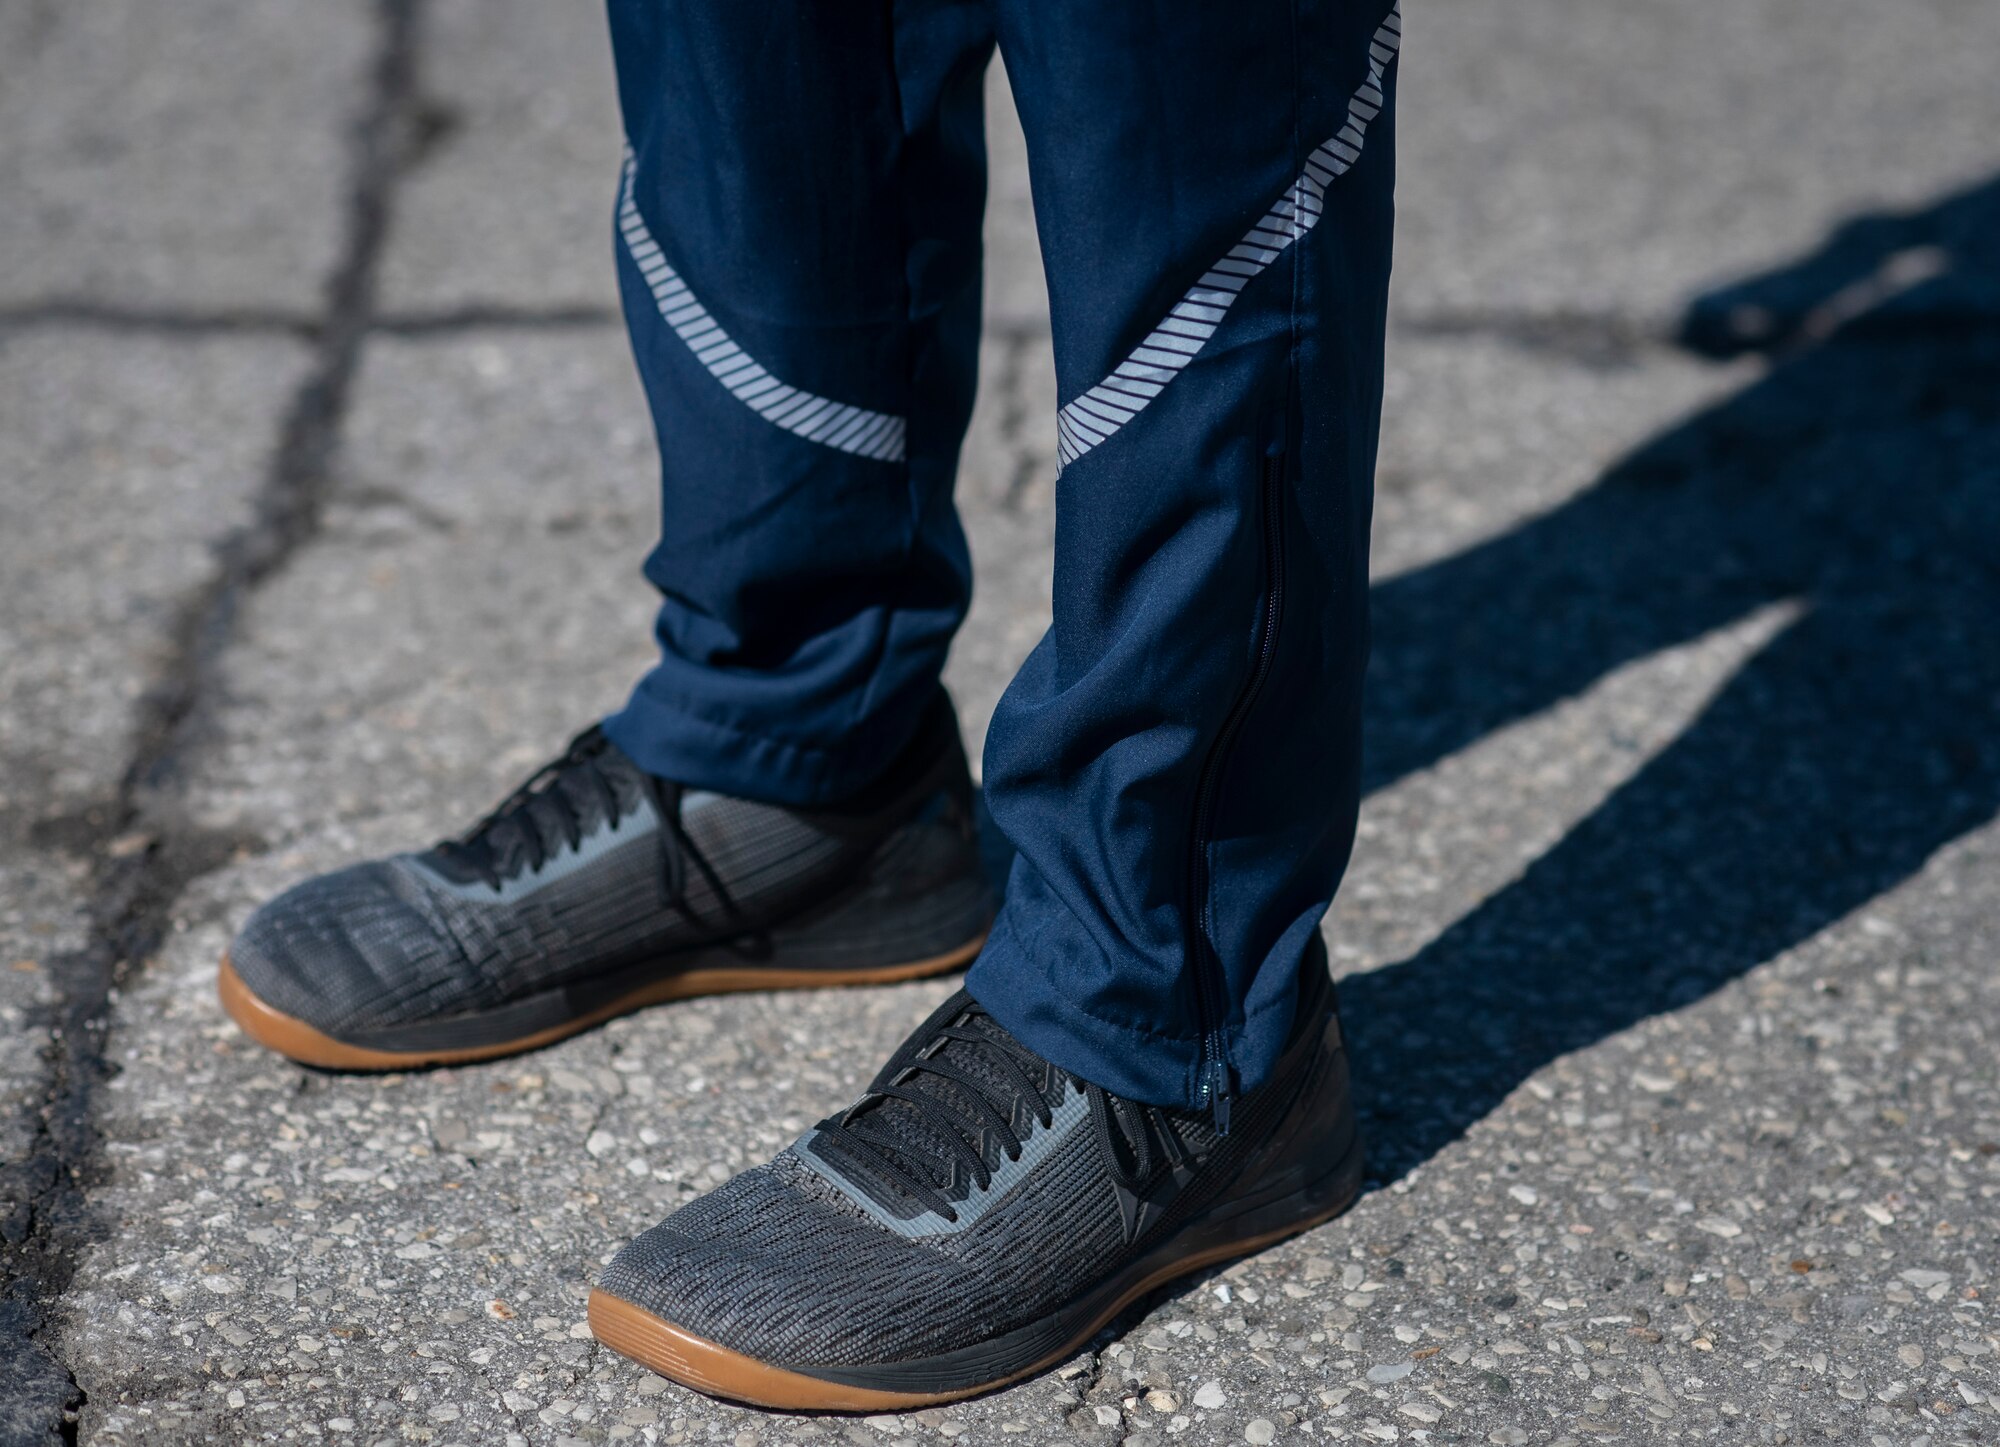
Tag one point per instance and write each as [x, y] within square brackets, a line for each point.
[1668, 946]
[171, 156]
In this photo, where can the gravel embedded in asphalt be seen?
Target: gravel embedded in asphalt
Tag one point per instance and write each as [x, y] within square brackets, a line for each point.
[1667, 950]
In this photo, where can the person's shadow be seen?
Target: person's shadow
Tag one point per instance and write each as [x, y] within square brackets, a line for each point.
[1859, 478]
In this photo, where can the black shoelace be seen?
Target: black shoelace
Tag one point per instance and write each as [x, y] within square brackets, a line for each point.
[922, 1165]
[542, 818]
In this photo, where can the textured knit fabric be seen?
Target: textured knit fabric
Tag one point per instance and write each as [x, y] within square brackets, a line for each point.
[451, 931]
[783, 1265]
[798, 249]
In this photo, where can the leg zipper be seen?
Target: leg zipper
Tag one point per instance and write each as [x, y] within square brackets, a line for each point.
[1217, 1076]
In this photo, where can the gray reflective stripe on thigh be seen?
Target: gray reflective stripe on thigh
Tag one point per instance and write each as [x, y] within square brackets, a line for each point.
[817, 419]
[1093, 417]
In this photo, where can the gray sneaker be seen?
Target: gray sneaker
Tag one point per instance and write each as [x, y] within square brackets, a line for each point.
[975, 1217]
[596, 889]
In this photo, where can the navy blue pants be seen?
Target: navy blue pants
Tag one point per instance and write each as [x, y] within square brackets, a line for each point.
[799, 249]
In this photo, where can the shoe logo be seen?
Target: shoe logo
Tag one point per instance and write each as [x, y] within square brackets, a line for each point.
[1140, 1209]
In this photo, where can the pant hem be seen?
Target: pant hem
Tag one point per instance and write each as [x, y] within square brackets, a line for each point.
[1155, 1067]
[704, 754]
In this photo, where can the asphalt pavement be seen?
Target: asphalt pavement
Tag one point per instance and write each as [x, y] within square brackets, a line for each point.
[1668, 951]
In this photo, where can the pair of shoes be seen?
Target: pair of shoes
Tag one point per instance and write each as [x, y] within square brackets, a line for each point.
[978, 1214]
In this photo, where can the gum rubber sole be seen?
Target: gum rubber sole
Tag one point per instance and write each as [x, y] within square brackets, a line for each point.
[295, 1039]
[693, 1361]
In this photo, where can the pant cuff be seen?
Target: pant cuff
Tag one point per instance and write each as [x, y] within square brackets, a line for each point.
[704, 754]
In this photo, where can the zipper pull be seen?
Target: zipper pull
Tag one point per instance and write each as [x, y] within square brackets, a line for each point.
[1221, 1091]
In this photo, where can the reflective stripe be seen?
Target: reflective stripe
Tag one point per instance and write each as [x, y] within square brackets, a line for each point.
[817, 419]
[1089, 419]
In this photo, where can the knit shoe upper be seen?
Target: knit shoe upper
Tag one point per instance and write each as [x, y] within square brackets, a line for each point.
[972, 1213]
[595, 879]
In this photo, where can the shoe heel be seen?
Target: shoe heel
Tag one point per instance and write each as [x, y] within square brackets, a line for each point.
[923, 895]
[1260, 1217]
[1313, 1166]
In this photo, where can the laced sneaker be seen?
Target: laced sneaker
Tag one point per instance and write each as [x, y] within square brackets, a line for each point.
[596, 888]
[975, 1217]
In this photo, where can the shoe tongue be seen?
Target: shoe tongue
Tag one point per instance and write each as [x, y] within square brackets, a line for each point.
[509, 842]
[928, 1153]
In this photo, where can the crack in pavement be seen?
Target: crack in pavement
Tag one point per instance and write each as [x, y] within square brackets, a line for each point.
[74, 313]
[494, 316]
[1596, 338]
[133, 891]
[51, 313]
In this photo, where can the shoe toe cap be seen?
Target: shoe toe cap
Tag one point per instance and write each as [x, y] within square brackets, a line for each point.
[704, 1271]
[766, 1268]
[343, 951]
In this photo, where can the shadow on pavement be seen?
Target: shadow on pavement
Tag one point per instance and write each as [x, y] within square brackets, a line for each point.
[1859, 478]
